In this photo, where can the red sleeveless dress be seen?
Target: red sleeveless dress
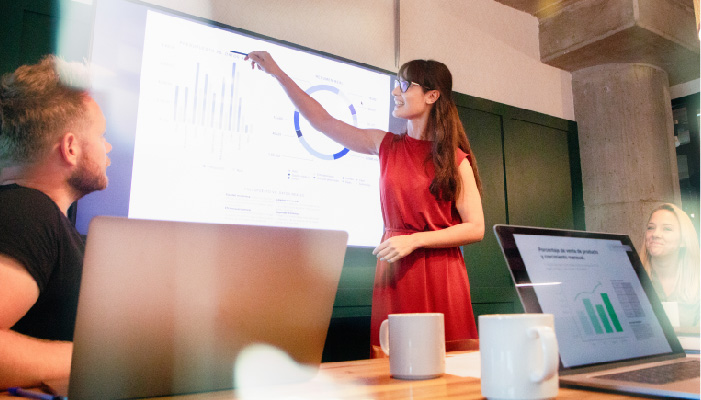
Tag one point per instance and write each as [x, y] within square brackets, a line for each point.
[427, 280]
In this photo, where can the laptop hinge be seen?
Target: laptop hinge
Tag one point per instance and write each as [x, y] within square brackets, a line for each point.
[619, 364]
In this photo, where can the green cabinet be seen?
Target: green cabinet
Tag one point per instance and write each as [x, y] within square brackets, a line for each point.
[490, 284]
[27, 32]
[529, 165]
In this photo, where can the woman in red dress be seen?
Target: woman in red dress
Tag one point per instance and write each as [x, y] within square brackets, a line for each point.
[429, 193]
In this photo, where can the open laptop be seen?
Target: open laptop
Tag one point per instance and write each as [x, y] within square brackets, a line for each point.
[166, 307]
[609, 321]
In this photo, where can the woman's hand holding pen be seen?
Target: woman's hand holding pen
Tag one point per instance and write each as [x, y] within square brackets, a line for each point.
[395, 248]
[264, 61]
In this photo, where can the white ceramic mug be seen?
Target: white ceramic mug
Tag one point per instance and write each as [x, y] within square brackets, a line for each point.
[415, 344]
[519, 356]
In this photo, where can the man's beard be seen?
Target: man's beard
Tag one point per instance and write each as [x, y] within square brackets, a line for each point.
[87, 178]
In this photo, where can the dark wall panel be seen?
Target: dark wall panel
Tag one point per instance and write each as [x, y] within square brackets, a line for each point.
[27, 32]
[483, 259]
[538, 179]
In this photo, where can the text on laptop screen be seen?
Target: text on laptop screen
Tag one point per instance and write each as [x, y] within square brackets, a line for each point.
[601, 310]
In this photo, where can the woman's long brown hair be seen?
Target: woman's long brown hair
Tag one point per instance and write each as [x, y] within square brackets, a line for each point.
[443, 128]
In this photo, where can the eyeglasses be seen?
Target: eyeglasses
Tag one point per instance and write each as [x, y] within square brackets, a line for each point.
[404, 85]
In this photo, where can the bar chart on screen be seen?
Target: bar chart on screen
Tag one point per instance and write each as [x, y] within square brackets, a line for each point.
[597, 315]
[208, 108]
[191, 99]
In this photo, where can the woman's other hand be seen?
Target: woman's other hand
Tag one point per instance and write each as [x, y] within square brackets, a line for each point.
[395, 248]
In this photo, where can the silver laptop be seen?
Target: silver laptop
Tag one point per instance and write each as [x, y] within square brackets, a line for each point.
[166, 307]
[609, 323]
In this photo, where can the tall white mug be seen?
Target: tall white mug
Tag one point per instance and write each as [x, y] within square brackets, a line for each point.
[415, 344]
[519, 356]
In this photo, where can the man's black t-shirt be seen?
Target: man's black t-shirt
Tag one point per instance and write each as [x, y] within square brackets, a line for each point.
[35, 232]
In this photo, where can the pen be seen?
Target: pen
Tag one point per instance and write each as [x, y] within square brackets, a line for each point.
[19, 392]
[238, 52]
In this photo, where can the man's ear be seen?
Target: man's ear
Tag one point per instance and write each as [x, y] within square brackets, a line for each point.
[69, 149]
[432, 96]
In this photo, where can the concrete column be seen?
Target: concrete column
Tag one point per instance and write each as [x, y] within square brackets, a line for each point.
[623, 55]
[626, 141]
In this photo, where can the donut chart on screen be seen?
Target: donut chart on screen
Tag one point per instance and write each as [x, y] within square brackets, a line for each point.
[300, 136]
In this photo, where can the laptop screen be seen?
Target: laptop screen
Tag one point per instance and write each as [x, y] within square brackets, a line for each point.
[167, 307]
[603, 304]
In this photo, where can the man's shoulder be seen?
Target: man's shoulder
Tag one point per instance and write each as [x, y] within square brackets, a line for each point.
[15, 199]
[33, 231]
[24, 210]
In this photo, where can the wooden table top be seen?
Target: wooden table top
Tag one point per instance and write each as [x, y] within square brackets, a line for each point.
[370, 379]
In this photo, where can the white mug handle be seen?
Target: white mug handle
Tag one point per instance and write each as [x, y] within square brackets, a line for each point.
[548, 345]
[384, 336]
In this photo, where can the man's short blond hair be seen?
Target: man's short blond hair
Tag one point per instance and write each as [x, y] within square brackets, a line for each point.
[39, 103]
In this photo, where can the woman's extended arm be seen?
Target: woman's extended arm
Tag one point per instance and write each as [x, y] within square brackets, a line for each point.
[366, 141]
[469, 205]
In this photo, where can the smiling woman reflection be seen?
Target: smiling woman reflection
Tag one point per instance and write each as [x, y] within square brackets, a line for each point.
[670, 255]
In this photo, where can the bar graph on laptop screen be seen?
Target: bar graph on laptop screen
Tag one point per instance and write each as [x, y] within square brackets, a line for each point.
[598, 315]
[595, 295]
